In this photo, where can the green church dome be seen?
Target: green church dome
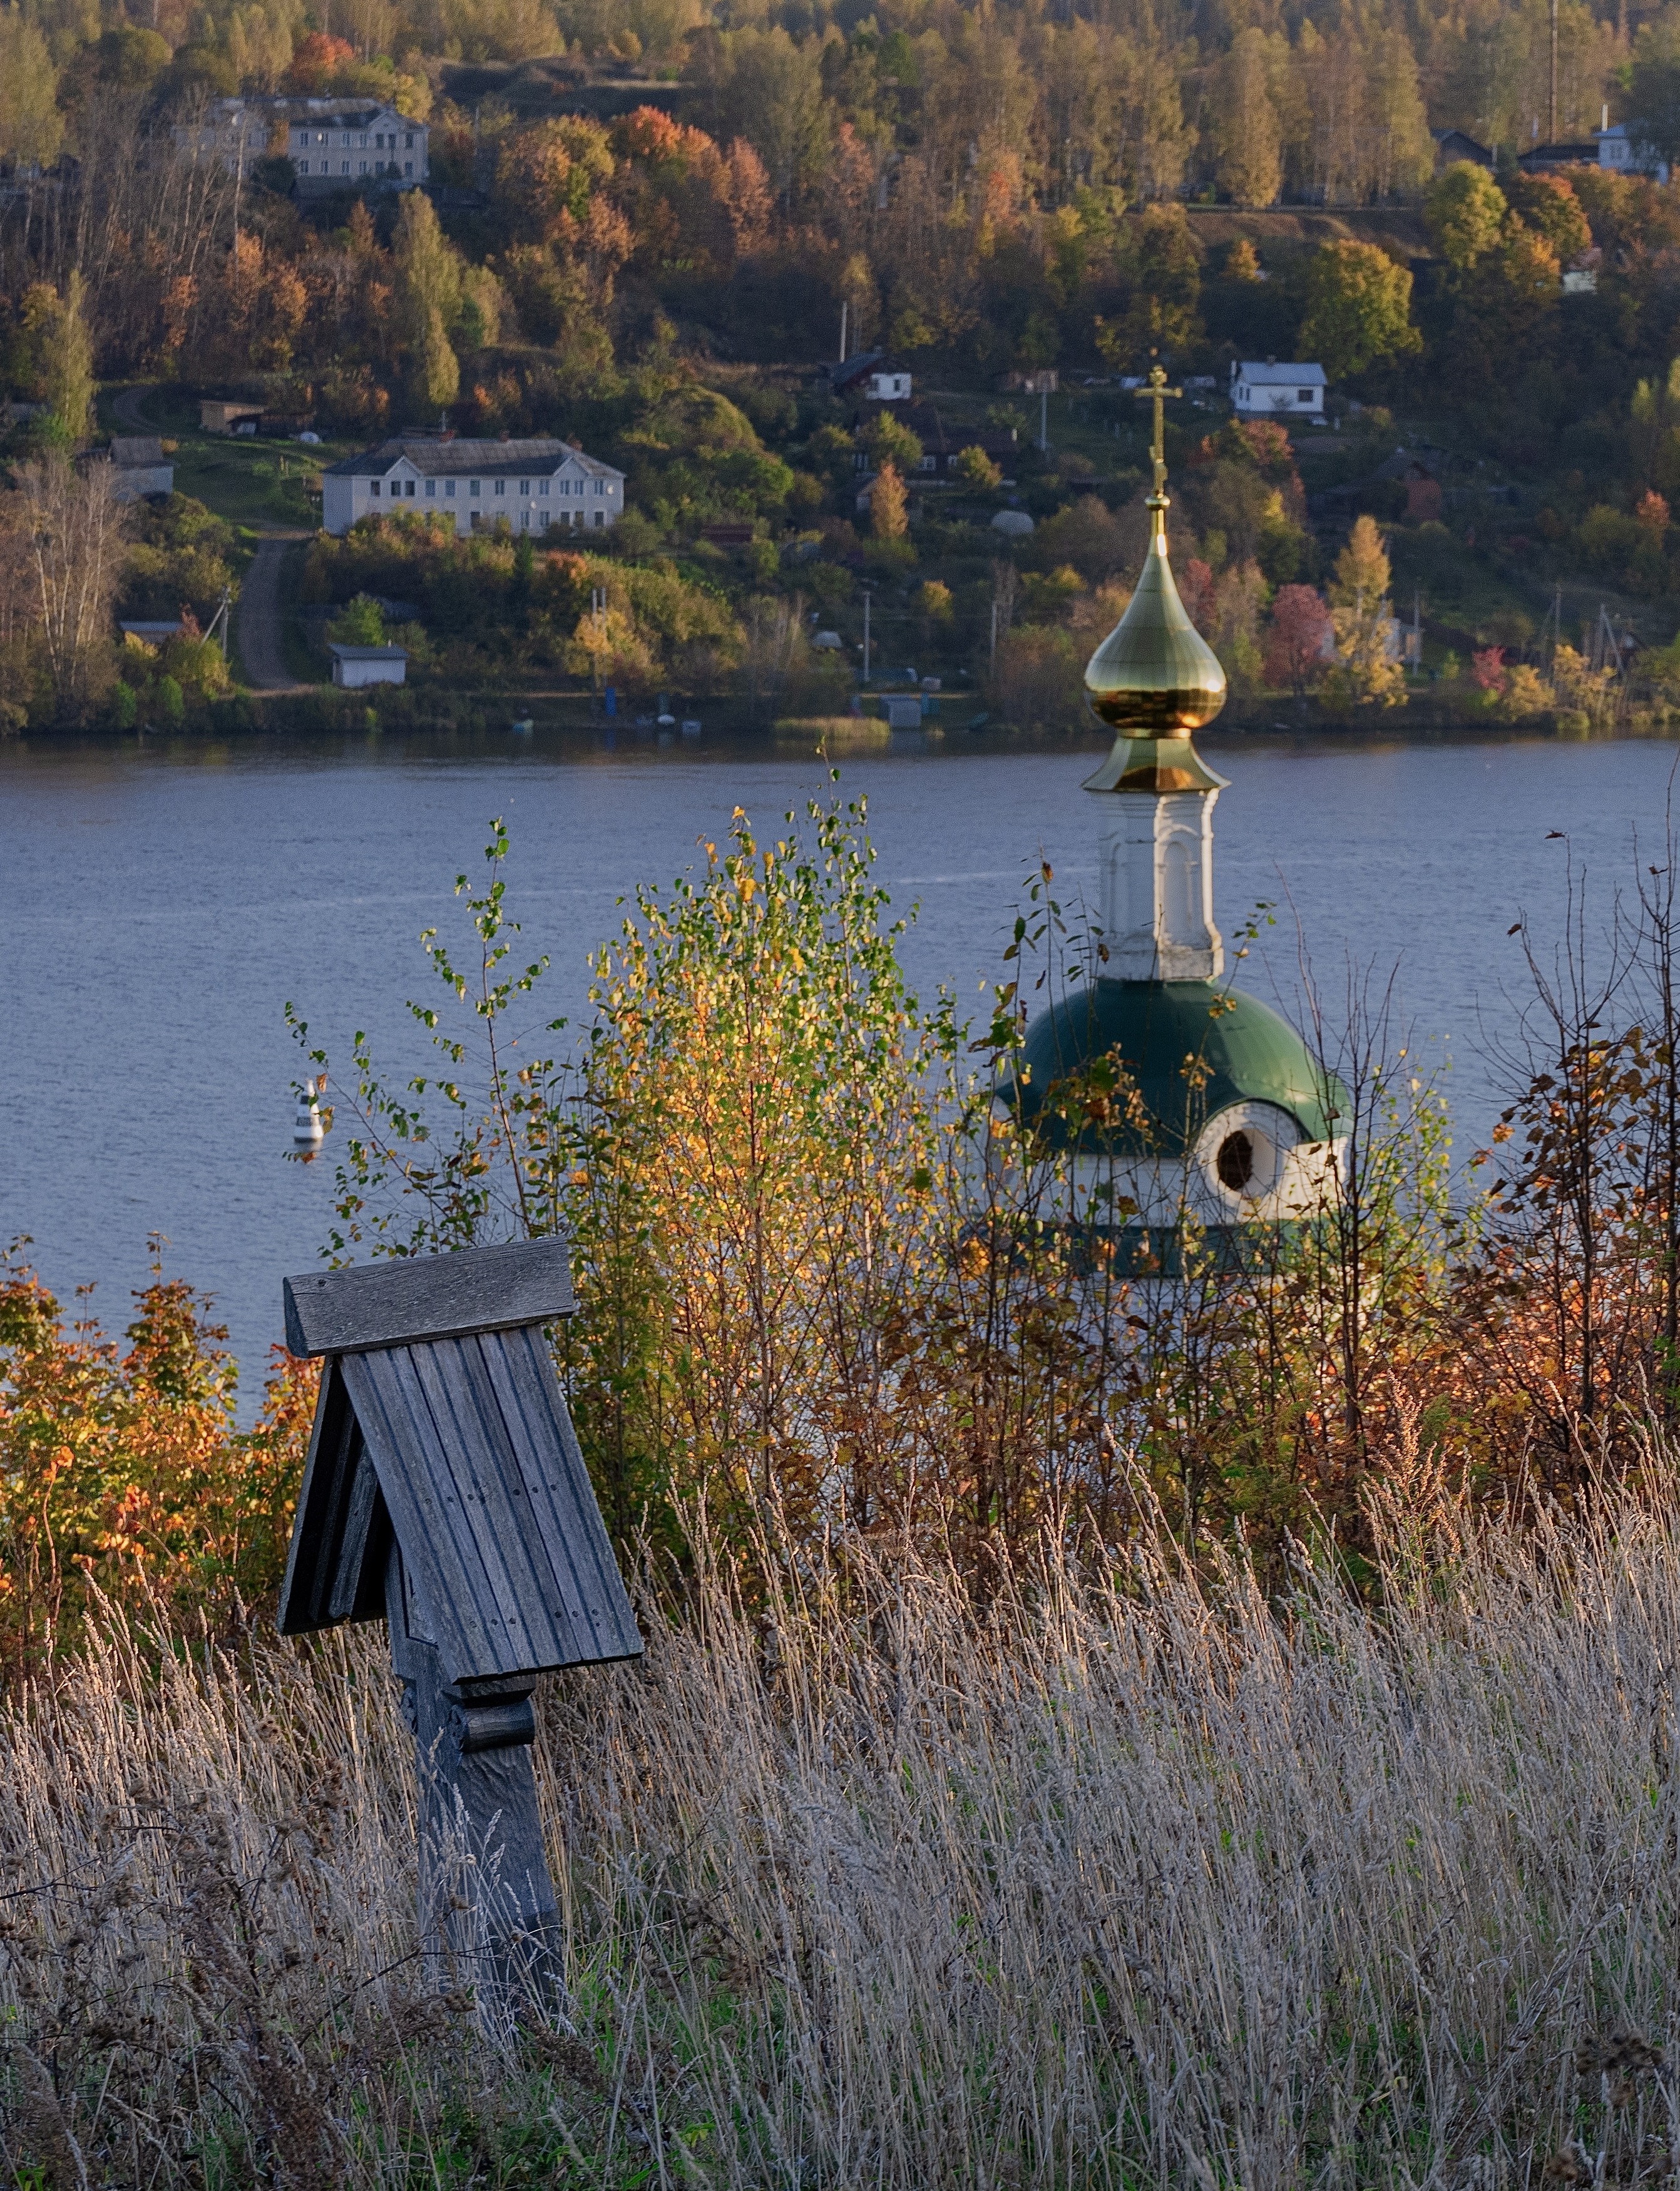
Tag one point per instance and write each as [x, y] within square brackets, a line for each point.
[1192, 1050]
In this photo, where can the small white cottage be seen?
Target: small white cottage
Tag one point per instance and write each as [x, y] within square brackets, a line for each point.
[1270, 390]
[537, 485]
[354, 667]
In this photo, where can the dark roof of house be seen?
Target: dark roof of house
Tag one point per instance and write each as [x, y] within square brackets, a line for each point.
[1460, 144]
[854, 368]
[345, 113]
[136, 451]
[859, 366]
[430, 455]
[1585, 153]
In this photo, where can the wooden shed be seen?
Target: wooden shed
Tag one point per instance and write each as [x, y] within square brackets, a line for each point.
[221, 414]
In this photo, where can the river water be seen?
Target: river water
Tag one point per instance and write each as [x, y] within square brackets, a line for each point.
[162, 903]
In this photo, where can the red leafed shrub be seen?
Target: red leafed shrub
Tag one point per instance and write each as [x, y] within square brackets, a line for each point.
[1296, 639]
[1487, 669]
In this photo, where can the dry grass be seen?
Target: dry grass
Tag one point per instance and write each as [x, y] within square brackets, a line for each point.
[1145, 1884]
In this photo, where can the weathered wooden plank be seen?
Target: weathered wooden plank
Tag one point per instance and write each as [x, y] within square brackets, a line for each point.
[499, 1530]
[562, 1501]
[419, 1492]
[412, 1298]
[507, 1588]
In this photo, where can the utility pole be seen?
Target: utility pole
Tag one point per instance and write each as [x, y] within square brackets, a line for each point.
[866, 635]
[239, 188]
[845, 306]
[218, 621]
[1552, 121]
[1044, 419]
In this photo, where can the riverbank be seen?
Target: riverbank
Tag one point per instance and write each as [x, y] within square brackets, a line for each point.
[956, 722]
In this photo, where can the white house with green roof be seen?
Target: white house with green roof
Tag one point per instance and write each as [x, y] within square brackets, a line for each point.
[539, 485]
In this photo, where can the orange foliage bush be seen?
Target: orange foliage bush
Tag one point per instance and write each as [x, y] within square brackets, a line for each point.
[317, 60]
[124, 1475]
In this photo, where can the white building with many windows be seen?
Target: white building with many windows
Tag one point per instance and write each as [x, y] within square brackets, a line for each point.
[336, 144]
[537, 485]
[333, 144]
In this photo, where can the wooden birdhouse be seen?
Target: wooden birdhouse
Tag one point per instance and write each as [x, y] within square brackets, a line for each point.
[445, 1491]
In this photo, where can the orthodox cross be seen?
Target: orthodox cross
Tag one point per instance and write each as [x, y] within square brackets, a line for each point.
[1155, 390]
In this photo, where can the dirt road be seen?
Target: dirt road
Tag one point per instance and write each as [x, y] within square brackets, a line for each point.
[258, 620]
[128, 410]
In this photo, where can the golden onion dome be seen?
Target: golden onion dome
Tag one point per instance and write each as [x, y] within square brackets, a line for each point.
[1155, 676]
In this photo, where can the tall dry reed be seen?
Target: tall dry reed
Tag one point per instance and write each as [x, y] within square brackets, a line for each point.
[1124, 1882]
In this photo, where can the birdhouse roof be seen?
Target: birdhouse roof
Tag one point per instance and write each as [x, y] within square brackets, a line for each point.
[441, 1423]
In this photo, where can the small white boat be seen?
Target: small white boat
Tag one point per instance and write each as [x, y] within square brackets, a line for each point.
[308, 1132]
[524, 725]
[690, 727]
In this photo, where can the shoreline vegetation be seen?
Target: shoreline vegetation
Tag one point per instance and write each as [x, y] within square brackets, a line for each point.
[961, 724]
[1213, 1728]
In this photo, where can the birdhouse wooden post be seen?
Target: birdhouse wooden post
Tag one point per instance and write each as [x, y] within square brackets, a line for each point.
[445, 1490]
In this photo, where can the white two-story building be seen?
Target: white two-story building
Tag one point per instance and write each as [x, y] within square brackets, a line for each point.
[537, 485]
[333, 144]
[337, 142]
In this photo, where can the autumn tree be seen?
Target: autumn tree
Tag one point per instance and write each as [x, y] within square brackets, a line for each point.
[1359, 308]
[974, 467]
[889, 519]
[428, 301]
[1547, 204]
[1165, 271]
[548, 174]
[61, 354]
[318, 60]
[73, 531]
[1250, 142]
[1505, 304]
[251, 312]
[1366, 673]
[1654, 86]
[1464, 210]
[1298, 638]
[32, 128]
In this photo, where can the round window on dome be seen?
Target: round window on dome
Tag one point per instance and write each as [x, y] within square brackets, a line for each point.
[1242, 1155]
[1234, 1162]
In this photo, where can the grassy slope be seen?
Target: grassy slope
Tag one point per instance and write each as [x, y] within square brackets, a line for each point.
[1152, 1889]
